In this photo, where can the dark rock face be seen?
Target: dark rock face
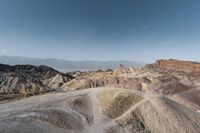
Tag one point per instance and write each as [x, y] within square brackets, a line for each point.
[36, 71]
[28, 79]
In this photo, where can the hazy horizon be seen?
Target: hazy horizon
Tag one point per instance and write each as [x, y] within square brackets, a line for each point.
[132, 30]
[45, 58]
[49, 58]
[69, 65]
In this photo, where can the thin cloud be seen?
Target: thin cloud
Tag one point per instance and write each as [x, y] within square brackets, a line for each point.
[3, 50]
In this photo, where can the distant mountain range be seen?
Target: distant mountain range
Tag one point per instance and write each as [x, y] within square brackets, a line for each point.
[68, 65]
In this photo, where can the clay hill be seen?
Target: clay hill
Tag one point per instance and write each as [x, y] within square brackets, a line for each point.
[165, 77]
[161, 97]
[24, 80]
[98, 110]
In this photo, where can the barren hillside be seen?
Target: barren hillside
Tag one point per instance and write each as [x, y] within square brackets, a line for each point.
[156, 98]
[98, 110]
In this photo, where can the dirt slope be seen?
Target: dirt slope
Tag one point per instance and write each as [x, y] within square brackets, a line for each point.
[98, 110]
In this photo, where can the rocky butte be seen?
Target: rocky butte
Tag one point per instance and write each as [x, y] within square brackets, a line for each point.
[176, 65]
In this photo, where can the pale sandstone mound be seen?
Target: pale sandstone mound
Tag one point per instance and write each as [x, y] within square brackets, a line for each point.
[160, 115]
[108, 81]
[98, 110]
[124, 77]
[190, 98]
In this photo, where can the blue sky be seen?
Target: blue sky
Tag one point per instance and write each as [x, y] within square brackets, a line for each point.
[138, 30]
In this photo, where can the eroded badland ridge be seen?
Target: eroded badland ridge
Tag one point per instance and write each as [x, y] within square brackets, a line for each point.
[160, 98]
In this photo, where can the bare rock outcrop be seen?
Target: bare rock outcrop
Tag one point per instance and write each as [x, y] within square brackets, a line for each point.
[176, 65]
[123, 77]
[164, 80]
[28, 79]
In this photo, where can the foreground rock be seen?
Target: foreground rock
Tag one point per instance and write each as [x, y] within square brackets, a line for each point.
[98, 110]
